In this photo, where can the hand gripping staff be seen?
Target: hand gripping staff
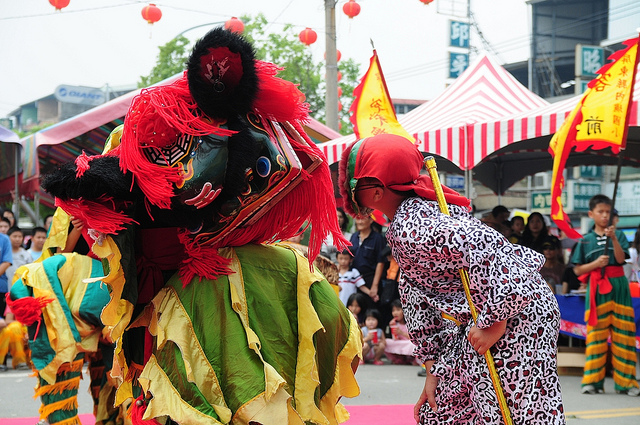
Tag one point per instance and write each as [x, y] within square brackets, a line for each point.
[430, 164]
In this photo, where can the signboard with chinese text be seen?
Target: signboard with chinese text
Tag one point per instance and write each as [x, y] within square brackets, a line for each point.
[459, 34]
[454, 182]
[589, 59]
[458, 62]
[579, 194]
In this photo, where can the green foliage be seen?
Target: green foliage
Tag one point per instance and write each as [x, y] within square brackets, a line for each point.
[172, 59]
[24, 133]
[281, 47]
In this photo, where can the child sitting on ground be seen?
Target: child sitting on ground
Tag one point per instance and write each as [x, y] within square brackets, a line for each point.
[399, 348]
[373, 340]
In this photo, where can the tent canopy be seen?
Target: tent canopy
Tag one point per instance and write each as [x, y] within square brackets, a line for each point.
[503, 149]
[522, 143]
[446, 126]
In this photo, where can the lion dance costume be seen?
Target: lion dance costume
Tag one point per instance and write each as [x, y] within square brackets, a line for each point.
[199, 317]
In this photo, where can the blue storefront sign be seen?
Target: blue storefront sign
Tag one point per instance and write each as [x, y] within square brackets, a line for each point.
[459, 34]
[458, 62]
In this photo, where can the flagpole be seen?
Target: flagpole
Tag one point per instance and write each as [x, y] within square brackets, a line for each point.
[626, 130]
[613, 205]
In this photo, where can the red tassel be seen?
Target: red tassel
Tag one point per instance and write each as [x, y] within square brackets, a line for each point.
[28, 309]
[202, 261]
[277, 98]
[96, 215]
[138, 407]
[82, 164]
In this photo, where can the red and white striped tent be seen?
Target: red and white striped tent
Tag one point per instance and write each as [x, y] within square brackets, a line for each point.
[521, 142]
[447, 126]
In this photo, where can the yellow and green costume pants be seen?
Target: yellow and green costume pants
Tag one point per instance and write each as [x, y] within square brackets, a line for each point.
[615, 320]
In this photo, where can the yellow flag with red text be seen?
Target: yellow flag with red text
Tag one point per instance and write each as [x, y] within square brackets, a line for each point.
[598, 121]
[372, 112]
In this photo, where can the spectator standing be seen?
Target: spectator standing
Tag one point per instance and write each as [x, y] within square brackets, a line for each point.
[368, 250]
[553, 268]
[6, 258]
[535, 232]
[5, 225]
[633, 274]
[328, 248]
[37, 242]
[498, 219]
[11, 217]
[608, 303]
[20, 255]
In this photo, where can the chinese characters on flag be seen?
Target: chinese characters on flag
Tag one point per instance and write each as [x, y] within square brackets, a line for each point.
[598, 121]
[372, 111]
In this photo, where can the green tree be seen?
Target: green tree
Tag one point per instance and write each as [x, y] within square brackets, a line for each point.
[281, 47]
[172, 59]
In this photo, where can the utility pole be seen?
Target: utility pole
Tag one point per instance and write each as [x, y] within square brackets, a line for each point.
[331, 74]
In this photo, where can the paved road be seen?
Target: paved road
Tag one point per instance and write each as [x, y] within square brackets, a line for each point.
[379, 385]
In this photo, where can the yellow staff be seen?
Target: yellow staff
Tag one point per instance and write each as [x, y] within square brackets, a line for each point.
[430, 163]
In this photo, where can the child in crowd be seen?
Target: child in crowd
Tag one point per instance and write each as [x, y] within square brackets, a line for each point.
[20, 255]
[374, 342]
[517, 227]
[356, 304]
[349, 278]
[608, 308]
[399, 348]
[37, 242]
[13, 338]
[5, 224]
[553, 268]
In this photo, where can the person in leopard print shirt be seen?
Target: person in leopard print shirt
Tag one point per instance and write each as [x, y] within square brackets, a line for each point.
[518, 316]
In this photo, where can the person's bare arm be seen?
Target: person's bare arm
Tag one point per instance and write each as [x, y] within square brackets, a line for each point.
[428, 393]
[376, 282]
[599, 262]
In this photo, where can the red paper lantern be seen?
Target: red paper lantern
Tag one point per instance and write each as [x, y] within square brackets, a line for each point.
[339, 106]
[339, 91]
[339, 75]
[338, 55]
[234, 25]
[426, 1]
[151, 13]
[351, 9]
[308, 36]
[59, 4]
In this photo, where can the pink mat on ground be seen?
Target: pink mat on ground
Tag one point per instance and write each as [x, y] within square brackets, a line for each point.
[396, 414]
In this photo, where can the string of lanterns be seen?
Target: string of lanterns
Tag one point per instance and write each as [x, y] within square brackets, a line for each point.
[152, 14]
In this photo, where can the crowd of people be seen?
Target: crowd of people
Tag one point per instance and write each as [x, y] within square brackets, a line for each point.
[15, 252]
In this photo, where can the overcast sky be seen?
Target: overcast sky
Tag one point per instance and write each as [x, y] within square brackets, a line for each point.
[99, 42]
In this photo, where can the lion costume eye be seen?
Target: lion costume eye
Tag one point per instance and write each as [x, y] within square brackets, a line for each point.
[263, 166]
